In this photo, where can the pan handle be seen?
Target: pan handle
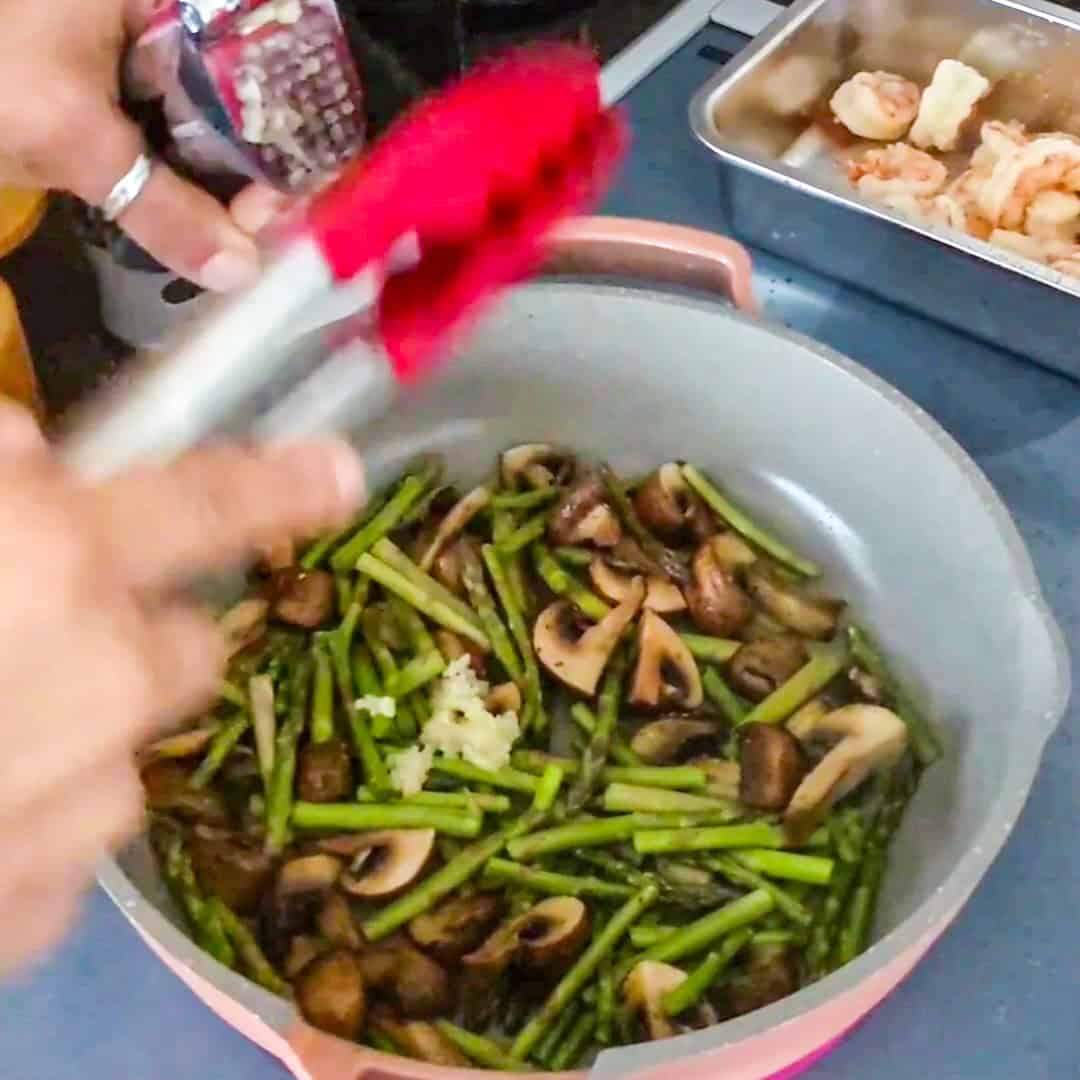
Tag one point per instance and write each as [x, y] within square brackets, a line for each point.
[319, 1056]
[654, 251]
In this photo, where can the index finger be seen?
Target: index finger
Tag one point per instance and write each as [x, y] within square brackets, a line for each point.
[212, 508]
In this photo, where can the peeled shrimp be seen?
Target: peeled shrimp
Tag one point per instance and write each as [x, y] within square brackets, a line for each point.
[965, 191]
[940, 210]
[876, 105]
[999, 141]
[946, 104]
[1068, 264]
[1053, 216]
[897, 170]
[1019, 244]
[1016, 180]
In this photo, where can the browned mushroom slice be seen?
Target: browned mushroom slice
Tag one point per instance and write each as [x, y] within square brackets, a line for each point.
[771, 766]
[506, 697]
[324, 771]
[335, 922]
[871, 738]
[302, 950]
[330, 993]
[421, 1041]
[549, 935]
[231, 868]
[666, 675]
[671, 508]
[583, 517]
[457, 926]
[644, 992]
[771, 974]
[578, 656]
[419, 986]
[759, 667]
[812, 616]
[674, 739]
[662, 596]
[539, 465]
[303, 597]
[382, 863]
[463, 511]
[168, 791]
[243, 624]
[292, 905]
[718, 603]
[182, 744]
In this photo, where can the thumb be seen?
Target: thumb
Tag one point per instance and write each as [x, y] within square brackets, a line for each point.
[178, 223]
[20, 435]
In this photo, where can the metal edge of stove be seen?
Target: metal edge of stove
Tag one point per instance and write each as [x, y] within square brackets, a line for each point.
[642, 56]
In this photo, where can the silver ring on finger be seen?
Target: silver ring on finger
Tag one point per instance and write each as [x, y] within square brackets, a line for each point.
[128, 188]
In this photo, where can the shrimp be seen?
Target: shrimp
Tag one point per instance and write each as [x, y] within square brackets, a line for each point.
[999, 141]
[1068, 264]
[1016, 180]
[1019, 244]
[946, 105]
[897, 170]
[1053, 216]
[876, 105]
[940, 210]
[965, 191]
[795, 84]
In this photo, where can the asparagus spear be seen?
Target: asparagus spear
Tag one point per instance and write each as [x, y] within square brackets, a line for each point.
[472, 576]
[525, 500]
[671, 562]
[504, 872]
[814, 675]
[483, 1051]
[394, 557]
[664, 841]
[736, 872]
[925, 744]
[223, 744]
[508, 779]
[362, 817]
[549, 1045]
[711, 650]
[742, 524]
[562, 583]
[322, 704]
[812, 869]
[280, 796]
[573, 1046]
[631, 799]
[723, 697]
[596, 753]
[523, 536]
[700, 981]
[583, 970]
[248, 951]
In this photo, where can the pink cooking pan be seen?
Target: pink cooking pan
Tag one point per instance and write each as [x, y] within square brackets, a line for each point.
[640, 345]
[643, 345]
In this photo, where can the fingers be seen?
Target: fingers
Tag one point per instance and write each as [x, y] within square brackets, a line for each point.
[214, 507]
[256, 207]
[20, 435]
[181, 225]
[186, 652]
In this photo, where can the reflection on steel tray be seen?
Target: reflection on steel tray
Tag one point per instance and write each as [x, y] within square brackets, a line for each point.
[942, 273]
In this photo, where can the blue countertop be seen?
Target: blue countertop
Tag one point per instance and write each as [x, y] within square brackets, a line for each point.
[997, 998]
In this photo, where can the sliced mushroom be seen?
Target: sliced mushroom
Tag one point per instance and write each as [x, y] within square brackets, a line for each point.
[243, 624]
[771, 766]
[583, 517]
[723, 777]
[302, 597]
[578, 657]
[183, 744]
[662, 596]
[463, 511]
[504, 698]
[771, 974]
[292, 905]
[419, 1040]
[666, 675]
[335, 922]
[330, 993]
[732, 552]
[867, 686]
[759, 667]
[382, 863]
[540, 465]
[871, 738]
[302, 950]
[644, 992]
[168, 791]
[812, 616]
[417, 985]
[671, 508]
[549, 935]
[231, 868]
[457, 926]
[674, 739]
[718, 603]
[324, 771]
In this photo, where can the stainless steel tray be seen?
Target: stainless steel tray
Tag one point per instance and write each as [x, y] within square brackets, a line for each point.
[749, 115]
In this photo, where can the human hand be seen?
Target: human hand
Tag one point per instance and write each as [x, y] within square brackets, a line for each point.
[63, 128]
[97, 651]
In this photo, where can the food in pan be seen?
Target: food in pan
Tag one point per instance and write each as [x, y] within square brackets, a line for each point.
[504, 777]
[1019, 191]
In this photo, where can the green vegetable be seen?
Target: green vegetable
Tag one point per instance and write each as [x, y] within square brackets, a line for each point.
[279, 798]
[394, 557]
[472, 576]
[508, 779]
[712, 650]
[361, 817]
[504, 872]
[483, 1051]
[248, 951]
[577, 1039]
[222, 745]
[547, 791]
[664, 841]
[812, 869]
[743, 524]
[322, 705]
[631, 799]
[596, 753]
[739, 874]
[733, 708]
[562, 583]
[814, 675]
[523, 536]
